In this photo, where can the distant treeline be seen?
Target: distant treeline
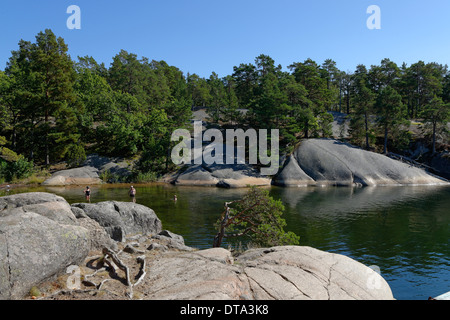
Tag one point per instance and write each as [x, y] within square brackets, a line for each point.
[55, 109]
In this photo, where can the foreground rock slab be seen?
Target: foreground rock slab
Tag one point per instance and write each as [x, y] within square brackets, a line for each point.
[279, 273]
[36, 247]
[38, 240]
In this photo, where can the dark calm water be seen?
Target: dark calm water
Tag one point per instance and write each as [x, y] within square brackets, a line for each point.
[405, 231]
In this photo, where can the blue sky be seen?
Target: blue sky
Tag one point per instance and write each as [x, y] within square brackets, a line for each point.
[202, 36]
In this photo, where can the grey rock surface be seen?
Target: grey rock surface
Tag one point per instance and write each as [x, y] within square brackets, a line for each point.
[46, 204]
[331, 162]
[226, 176]
[78, 176]
[98, 236]
[122, 219]
[35, 246]
[279, 273]
[89, 172]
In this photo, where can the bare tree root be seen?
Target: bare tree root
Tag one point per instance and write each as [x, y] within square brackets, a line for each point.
[109, 253]
[115, 259]
[109, 260]
[142, 272]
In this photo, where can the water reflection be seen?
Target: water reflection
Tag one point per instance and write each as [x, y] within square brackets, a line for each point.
[403, 230]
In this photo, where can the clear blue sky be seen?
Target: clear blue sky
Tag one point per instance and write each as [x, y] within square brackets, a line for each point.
[202, 36]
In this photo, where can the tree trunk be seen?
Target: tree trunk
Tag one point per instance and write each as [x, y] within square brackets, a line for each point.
[367, 130]
[434, 138]
[32, 139]
[219, 237]
[47, 156]
[348, 103]
[385, 139]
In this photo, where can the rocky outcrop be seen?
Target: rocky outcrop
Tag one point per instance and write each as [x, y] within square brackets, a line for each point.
[79, 176]
[117, 169]
[98, 237]
[122, 219]
[279, 273]
[331, 162]
[288, 273]
[114, 169]
[39, 238]
[225, 176]
[47, 205]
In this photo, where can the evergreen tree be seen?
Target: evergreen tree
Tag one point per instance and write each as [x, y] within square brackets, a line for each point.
[258, 217]
[437, 113]
[360, 126]
[44, 75]
[390, 111]
[245, 79]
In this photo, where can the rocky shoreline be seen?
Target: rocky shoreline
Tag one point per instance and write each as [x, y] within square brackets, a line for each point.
[116, 251]
[315, 162]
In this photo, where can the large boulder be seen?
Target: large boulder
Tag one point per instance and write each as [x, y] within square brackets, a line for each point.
[46, 204]
[331, 162]
[122, 219]
[226, 176]
[98, 237]
[117, 169]
[78, 176]
[39, 238]
[279, 273]
[114, 169]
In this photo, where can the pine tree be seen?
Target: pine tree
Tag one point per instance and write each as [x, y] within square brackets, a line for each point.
[390, 111]
[436, 112]
[44, 75]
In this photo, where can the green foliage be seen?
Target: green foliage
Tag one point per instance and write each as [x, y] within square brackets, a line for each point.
[437, 113]
[35, 292]
[361, 128]
[108, 177]
[390, 110]
[15, 170]
[41, 97]
[258, 217]
[144, 177]
[12, 165]
[75, 155]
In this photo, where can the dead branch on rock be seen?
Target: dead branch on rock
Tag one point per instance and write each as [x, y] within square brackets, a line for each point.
[109, 253]
[142, 272]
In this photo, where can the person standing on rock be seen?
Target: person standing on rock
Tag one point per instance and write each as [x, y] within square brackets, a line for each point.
[87, 193]
[132, 193]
